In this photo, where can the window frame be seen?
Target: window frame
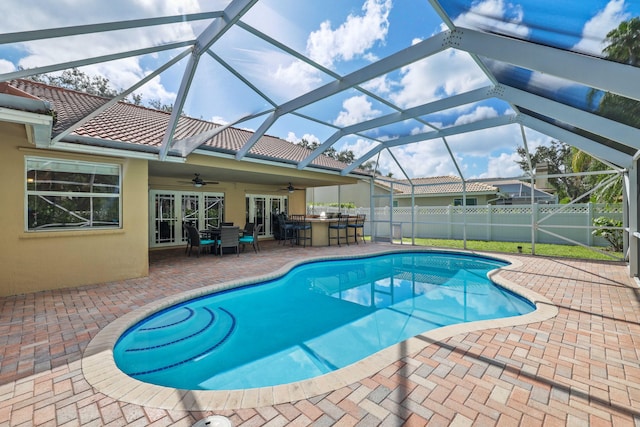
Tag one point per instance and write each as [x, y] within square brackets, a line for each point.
[471, 201]
[79, 165]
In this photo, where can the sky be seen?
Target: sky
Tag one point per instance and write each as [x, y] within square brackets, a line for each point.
[341, 36]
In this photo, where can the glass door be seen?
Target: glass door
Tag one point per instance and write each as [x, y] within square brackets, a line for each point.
[261, 209]
[164, 219]
[170, 210]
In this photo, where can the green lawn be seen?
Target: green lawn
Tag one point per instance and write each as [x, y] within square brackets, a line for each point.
[512, 247]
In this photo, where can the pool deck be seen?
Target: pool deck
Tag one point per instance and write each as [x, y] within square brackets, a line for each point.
[579, 367]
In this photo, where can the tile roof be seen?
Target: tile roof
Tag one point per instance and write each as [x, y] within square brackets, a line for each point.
[436, 185]
[134, 124]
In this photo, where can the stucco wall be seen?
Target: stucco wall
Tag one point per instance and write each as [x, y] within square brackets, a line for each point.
[35, 261]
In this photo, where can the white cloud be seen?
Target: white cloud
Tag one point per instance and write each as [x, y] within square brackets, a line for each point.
[295, 78]
[122, 73]
[359, 146]
[219, 120]
[495, 15]
[480, 113]
[6, 66]
[352, 38]
[595, 30]
[445, 74]
[293, 138]
[502, 166]
[379, 85]
[289, 77]
[356, 109]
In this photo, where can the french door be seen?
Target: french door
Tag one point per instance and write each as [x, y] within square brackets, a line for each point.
[262, 208]
[171, 210]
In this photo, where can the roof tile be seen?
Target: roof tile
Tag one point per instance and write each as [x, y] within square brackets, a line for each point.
[134, 124]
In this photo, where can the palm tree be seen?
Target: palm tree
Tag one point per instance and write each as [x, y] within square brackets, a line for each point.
[623, 46]
[624, 43]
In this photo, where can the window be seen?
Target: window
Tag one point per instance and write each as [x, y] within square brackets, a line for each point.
[67, 194]
[471, 201]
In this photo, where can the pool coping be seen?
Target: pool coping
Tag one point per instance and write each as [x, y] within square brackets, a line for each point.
[100, 370]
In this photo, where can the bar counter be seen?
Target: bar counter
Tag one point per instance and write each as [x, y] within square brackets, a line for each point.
[320, 231]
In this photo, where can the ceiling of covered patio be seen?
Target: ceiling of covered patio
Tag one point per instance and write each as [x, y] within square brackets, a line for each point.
[421, 88]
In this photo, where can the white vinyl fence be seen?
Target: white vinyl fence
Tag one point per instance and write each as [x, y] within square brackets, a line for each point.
[510, 223]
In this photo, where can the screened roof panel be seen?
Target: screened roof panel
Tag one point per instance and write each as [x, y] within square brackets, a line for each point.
[347, 108]
[278, 74]
[468, 113]
[570, 25]
[348, 73]
[397, 130]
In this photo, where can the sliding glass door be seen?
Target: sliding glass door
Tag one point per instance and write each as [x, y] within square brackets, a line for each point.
[170, 210]
[261, 209]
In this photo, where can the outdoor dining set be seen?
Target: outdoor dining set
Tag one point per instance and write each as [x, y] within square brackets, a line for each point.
[227, 236]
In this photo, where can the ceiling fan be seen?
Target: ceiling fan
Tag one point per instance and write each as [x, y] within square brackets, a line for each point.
[290, 188]
[199, 182]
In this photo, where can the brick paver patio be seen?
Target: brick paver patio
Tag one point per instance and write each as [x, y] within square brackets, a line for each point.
[578, 368]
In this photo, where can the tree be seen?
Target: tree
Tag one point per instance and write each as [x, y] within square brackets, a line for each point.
[75, 79]
[345, 156]
[558, 156]
[623, 43]
[158, 105]
[583, 162]
[624, 47]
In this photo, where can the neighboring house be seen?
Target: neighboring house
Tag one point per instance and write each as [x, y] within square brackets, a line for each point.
[516, 192]
[85, 205]
[440, 191]
[433, 191]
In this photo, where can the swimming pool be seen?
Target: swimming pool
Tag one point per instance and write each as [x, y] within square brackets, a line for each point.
[319, 317]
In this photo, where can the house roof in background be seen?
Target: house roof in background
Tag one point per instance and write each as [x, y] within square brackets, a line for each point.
[435, 186]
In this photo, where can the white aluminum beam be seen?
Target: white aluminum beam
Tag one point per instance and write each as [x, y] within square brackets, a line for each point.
[588, 70]
[88, 61]
[410, 113]
[597, 150]
[213, 32]
[187, 77]
[453, 130]
[397, 60]
[593, 123]
[257, 135]
[117, 98]
[25, 36]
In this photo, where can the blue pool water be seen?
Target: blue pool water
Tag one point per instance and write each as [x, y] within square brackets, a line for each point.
[319, 317]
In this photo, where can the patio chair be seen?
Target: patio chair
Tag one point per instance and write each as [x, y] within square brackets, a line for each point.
[357, 224]
[301, 228]
[229, 238]
[194, 240]
[338, 226]
[248, 229]
[287, 231]
[252, 239]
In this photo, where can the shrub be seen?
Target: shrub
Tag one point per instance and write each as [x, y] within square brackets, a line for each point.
[611, 235]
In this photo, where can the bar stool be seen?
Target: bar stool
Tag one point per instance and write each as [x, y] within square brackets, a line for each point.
[357, 224]
[338, 226]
